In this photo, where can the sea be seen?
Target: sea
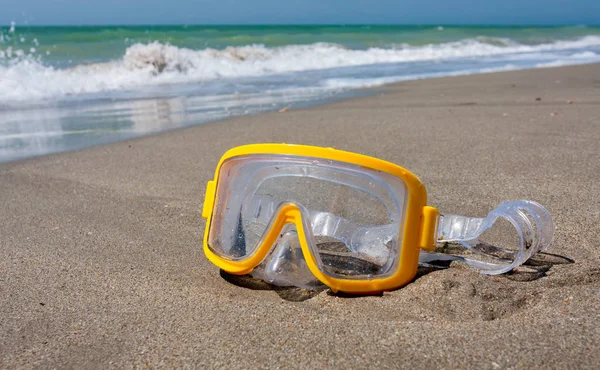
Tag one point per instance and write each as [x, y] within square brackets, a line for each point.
[67, 88]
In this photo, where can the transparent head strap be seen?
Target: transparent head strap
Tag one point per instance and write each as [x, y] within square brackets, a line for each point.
[285, 264]
[533, 226]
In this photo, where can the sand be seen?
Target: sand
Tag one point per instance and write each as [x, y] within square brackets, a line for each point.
[101, 261]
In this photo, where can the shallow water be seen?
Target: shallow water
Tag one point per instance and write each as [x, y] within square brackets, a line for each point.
[44, 130]
[65, 88]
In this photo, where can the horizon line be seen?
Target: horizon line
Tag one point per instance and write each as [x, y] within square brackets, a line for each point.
[305, 24]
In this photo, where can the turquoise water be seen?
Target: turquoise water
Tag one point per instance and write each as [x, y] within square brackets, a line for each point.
[93, 44]
[63, 88]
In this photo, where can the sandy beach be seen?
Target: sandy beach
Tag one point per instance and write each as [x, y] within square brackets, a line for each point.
[101, 262]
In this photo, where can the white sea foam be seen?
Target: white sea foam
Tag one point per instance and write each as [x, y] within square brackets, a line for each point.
[24, 78]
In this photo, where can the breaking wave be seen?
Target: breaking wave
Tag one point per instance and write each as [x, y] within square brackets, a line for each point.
[25, 77]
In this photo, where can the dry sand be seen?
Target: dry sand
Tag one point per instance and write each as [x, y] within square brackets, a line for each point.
[101, 261]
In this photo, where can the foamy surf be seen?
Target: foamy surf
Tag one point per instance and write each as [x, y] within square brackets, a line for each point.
[25, 78]
[69, 88]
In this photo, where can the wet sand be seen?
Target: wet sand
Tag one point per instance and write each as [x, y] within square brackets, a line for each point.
[101, 261]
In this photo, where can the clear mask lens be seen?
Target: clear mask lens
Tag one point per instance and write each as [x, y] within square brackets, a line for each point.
[352, 216]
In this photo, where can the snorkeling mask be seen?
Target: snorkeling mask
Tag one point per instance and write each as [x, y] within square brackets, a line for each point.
[296, 215]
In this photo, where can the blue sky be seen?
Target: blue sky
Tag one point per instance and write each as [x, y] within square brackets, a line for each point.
[75, 12]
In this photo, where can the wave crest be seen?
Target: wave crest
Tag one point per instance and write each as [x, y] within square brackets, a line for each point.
[24, 77]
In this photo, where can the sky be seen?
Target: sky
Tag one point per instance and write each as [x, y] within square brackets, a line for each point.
[122, 12]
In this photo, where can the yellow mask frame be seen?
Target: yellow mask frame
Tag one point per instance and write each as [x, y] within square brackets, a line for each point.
[420, 222]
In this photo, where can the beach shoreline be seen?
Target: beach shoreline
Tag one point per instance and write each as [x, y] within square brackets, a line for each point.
[158, 117]
[101, 261]
[68, 88]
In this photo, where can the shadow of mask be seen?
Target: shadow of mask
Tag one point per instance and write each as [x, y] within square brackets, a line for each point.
[537, 266]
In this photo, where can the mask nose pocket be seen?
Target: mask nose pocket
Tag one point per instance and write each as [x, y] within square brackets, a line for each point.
[285, 264]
